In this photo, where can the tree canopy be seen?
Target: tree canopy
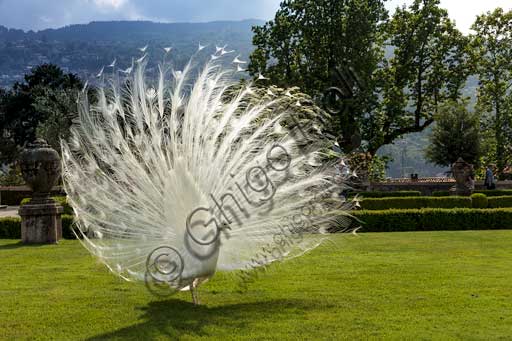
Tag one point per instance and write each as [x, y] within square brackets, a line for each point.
[491, 46]
[428, 67]
[401, 91]
[21, 112]
[309, 41]
[456, 134]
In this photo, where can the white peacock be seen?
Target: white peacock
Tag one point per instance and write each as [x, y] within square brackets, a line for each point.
[173, 182]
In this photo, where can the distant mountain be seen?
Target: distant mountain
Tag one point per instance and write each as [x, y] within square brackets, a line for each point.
[84, 49]
[408, 156]
[127, 31]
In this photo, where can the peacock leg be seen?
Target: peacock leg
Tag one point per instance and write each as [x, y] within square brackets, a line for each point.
[197, 296]
[194, 291]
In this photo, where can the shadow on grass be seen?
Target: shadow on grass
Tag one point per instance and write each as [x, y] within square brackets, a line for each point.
[15, 245]
[18, 244]
[174, 318]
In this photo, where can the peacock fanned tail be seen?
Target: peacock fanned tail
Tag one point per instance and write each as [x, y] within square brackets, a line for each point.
[149, 165]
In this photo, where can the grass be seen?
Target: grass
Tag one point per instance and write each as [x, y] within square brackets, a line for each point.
[419, 285]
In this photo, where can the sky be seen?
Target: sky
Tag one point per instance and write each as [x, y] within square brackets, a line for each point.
[41, 14]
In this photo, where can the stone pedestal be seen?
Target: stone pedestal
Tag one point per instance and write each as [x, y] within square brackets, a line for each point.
[41, 218]
[41, 223]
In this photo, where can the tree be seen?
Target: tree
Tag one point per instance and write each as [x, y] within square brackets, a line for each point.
[8, 148]
[456, 134]
[428, 67]
[21, 116]
[308, 41]
[492, 48]
[60, 109]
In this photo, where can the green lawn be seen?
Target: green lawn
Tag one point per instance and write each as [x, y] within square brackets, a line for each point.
[420, 285]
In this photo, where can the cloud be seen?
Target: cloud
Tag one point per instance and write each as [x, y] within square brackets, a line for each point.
[36, 14]
[201, 10]
[115, 4]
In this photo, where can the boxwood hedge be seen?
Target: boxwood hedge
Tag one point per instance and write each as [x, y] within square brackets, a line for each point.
[427, 219]
[10, 227]
[497, 202]
[433, 219]
[489, 193]
[476, 200]
[479, 200]
[415, 203]
[13, 196]
[395, 194]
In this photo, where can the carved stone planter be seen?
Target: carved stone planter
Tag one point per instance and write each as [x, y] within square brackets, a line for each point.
[41, 218]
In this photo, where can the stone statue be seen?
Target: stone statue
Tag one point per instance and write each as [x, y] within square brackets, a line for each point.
[41, 218]
[464, 175]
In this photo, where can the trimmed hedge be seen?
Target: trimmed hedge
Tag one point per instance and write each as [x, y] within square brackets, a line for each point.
[60, 200]
[15, 195]
[441, 193]
[435, 219]
[10, 227]
[67, 226]
[395, 194]
[427, 219]
[497, 202]
[476, 200]
[487, 192]
[495, 192]
[479, 200]
[415, 203]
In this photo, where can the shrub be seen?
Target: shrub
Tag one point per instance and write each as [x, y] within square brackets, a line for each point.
[12, 177]
[395, 194]
[497, 202]
[14, 195]
[60, 200]
[10, 227]
[415, 203]
[441, 193]
[433, 219]
[67, 226]
[487, 192]
[479, 200]
[495, 192]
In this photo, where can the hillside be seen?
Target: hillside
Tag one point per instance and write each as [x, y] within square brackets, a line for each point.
[84, 49]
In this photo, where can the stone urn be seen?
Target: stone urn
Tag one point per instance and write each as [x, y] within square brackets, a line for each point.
[41, 218]
[464, 175]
